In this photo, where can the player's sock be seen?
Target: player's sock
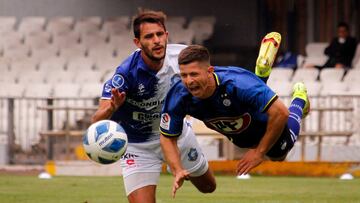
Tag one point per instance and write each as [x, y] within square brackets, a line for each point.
[294, 121]
[267, 54]
[299, 108]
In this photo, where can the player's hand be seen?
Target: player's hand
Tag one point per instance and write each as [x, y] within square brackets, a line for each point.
[179, 180]
[117, 98]
[250, 160]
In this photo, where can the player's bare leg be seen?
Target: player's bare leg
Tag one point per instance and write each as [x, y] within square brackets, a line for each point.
[205, 183]
[143, 195]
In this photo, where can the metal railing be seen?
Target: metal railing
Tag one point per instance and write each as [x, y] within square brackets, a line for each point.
[32, 123]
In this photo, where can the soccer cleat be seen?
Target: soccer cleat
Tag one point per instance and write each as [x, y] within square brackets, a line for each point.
[300, 91]
[267, 54]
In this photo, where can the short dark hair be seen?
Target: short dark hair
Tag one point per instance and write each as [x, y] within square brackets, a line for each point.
[343, 24]
[148, 17]
[194, 53]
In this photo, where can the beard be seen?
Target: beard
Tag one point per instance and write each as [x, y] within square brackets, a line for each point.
[149, 54]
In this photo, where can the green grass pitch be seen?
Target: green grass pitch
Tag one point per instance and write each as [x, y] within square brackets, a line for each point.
[30, 189]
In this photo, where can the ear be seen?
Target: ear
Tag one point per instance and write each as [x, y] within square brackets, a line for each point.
[211, 69]
[137, 42]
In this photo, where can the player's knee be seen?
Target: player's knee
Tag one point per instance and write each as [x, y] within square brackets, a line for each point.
[209, 188]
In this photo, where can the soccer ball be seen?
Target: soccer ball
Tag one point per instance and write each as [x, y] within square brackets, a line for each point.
[105, 141]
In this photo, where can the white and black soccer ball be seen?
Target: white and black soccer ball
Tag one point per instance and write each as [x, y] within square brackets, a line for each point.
[105, 141]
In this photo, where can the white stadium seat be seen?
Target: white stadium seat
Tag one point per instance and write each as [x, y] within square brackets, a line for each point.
[7, 23]
[316, 49]
[281, 74]
[31, 24]
[331, 74]
[80, 64]
[52, 64]
[305, 74]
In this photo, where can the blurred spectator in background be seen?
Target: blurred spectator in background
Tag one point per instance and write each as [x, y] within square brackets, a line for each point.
[341, 49]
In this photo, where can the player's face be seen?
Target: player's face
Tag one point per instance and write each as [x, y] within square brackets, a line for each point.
[197, 78]
[152, 41]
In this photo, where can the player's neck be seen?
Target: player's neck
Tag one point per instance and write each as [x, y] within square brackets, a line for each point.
[210, 90]
[154, 65]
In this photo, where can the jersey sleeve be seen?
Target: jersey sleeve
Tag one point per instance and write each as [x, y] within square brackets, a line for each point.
[255, 92]
[119, 81]
[173, 113]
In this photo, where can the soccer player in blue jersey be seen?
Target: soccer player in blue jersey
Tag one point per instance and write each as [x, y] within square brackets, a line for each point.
[134, 97]
[235, 103]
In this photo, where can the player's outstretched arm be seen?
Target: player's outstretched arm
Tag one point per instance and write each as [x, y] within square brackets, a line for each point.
[278, 116]
[108, 107]
[172, 156]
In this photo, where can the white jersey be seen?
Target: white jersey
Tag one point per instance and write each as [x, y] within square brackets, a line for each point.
[145, 93]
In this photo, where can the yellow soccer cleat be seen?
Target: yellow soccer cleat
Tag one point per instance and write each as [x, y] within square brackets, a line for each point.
[267, 54]
[300, 91]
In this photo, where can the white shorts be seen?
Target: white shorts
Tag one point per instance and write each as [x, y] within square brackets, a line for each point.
[143, 161]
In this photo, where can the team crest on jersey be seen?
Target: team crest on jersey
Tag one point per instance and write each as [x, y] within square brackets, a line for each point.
[230, 125]
[107, 87]
[117, 81]
[193, 154]
[165, 121]
[141, 89]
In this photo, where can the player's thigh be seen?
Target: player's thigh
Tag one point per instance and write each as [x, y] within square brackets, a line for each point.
[145, 184]
[141, 167]
[194, 161]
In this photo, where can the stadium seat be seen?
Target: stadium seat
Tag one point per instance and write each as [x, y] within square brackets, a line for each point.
[93, 39]
[123, 41]
[183, 36]
[9, 77]
[7, 23]
[331, 74]
[90, 90]
[80, 64]
[281, 74]
[356, 58]
[44, 51]
[66, 39]
[25, 65]
[73, 51]
[38, 90]
[31, 24]
[316, 49]
[313, 88]
[85, 77]
[116, 26]
[52, 64]
[101, 51]
[31, 77]
[352, 77]
[87, 25]
[333, 88]
[107, 64]
[12, 90]
[66, 90]
[314, 61]
[60, 25]
[305, 74]
[282, 88]
[37, 39]
[16, 52]
[203, 30]
[181, 20]
[60, 76]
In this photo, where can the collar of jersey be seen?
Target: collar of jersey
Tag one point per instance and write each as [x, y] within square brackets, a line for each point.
[142, 65]
[216, 79]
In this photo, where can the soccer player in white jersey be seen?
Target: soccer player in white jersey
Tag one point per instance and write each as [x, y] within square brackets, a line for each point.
[134, 97]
